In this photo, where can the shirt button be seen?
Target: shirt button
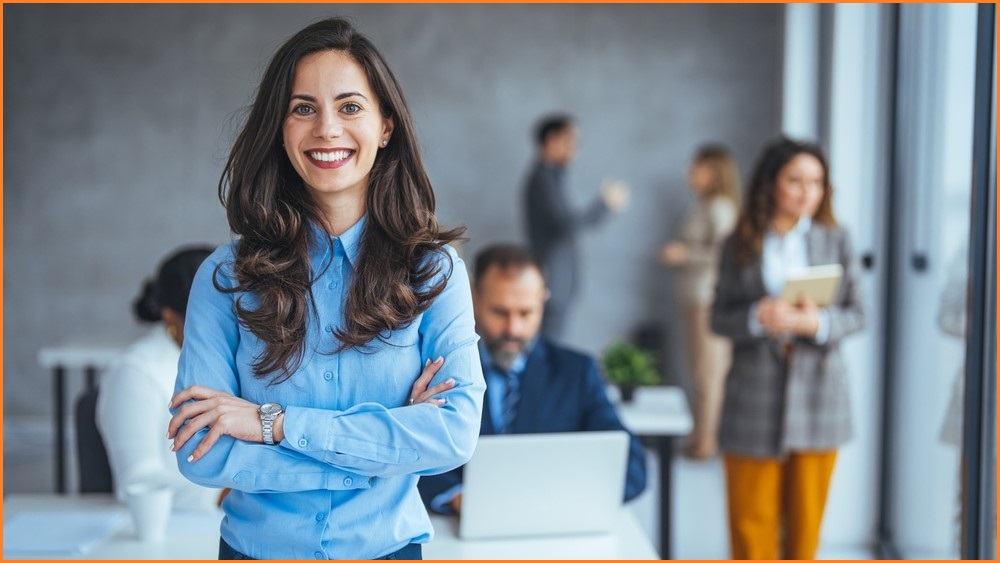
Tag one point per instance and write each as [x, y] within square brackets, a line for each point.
[328, 376]
[348, 481]
[333, 285]
[303, 443]
[329, 328]
[320, 516]
[318, 555]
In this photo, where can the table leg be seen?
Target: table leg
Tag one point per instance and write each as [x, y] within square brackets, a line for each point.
[59, 389]
[665, 449]
[91, 374]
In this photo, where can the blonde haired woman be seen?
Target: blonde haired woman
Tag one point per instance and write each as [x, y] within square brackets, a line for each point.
[714, 179]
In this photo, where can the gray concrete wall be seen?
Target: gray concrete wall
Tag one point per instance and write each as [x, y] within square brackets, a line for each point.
[118, 118]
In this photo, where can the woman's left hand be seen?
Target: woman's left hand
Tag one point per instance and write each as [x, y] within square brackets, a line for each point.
[420, 393]
[673, 253]
[807, 321]
[222, 413]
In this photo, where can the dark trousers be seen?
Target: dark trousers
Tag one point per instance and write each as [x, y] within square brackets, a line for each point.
[412, 552]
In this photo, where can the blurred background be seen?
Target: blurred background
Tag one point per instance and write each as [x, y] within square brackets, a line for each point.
[118, 119]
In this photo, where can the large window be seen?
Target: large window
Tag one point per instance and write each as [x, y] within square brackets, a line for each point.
[930, 320]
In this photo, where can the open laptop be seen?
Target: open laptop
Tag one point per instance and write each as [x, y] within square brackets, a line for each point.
[544, 484]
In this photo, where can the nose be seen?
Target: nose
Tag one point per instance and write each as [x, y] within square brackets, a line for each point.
[514, 326]
[328, 126]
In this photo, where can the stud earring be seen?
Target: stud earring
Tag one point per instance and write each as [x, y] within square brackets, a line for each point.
[385, 142]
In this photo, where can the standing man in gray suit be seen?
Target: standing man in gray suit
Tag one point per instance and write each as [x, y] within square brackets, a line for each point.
[553, 225]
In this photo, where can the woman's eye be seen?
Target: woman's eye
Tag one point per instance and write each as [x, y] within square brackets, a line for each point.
[302, 110]
[351, 108]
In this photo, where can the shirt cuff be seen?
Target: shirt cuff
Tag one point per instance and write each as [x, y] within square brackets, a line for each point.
[823, 328]
[756, 329]
[442, 503]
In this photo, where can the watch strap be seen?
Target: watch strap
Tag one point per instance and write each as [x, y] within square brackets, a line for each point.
[267, 423]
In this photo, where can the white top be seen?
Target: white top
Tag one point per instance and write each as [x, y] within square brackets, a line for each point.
[132, 416]
[784, 254]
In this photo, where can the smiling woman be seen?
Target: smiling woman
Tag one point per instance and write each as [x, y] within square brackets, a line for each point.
[333, 342]
[333, 132]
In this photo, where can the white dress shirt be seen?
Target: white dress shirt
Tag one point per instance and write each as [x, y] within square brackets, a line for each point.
[132, 416]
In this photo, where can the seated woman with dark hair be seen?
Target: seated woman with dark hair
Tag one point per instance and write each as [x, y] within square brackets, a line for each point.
[137, 386]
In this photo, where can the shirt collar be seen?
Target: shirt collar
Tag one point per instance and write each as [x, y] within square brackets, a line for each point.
[551, 167]
[800, 228]
[803, 226]
[350, 239]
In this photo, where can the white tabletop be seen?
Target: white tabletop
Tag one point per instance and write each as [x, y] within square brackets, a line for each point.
[656, 411]
[189, 535]
[196, 536]
[626, 541]
[78, 356]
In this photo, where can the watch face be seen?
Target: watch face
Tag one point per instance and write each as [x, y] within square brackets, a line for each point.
[270, 409]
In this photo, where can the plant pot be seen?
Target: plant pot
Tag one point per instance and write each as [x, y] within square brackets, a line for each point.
[627, 392]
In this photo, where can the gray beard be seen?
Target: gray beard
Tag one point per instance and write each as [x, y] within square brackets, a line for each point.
[504, 360]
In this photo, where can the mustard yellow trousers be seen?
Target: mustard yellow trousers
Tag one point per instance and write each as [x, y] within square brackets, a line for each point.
[776, 505]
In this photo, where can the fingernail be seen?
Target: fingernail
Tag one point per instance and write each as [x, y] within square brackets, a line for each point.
[190, 458]
[443, 401]
[427, 363]
[439, 360]
[451, 381]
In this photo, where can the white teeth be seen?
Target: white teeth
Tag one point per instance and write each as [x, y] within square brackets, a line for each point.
[329, 156]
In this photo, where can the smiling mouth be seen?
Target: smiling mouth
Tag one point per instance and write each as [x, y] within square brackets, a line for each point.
[330, 156]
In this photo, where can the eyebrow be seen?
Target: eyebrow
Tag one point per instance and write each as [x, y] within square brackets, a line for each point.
[313, 99]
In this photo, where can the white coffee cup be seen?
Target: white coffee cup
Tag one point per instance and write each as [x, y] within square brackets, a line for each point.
[150, 505]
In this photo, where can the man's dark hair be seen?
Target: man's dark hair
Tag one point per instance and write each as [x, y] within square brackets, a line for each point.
[551, 125]
[508, 257]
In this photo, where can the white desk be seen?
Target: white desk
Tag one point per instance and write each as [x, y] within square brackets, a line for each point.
[659, 413]
[196, 536]
[626, 541]
[190, 535]
[88, 359]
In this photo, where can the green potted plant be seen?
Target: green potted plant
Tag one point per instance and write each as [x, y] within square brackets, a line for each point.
[629, 366]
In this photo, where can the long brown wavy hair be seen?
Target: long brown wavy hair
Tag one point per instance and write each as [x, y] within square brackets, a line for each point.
[270, 209]
[760, 204]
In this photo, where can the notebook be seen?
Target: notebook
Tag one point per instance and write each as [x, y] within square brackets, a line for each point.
[820, 283]
[519, 485]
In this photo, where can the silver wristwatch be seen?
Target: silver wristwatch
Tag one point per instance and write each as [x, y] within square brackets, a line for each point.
[268, 412]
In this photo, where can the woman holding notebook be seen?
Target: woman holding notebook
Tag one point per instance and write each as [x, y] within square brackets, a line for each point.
[786, 407]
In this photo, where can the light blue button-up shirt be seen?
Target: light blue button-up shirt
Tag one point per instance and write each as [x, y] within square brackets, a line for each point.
[342, 482]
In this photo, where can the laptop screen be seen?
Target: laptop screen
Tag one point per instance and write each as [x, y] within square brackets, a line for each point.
[544, 484]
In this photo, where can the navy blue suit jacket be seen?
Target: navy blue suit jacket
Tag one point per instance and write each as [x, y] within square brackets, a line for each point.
[561, 391]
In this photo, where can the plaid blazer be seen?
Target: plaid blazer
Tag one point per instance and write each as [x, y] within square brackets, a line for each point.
[775, 404]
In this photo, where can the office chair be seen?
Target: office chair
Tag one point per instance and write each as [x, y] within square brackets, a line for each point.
[94, 469]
